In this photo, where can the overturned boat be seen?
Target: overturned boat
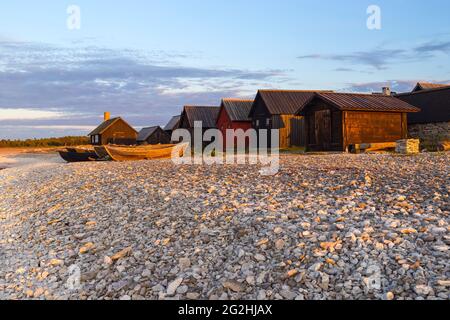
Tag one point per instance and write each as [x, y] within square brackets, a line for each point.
[78, 155]
[150, 152]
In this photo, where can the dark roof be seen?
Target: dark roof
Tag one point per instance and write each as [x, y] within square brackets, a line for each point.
[206, 114]
[173, 123]
[366, 102]
[145, 133]
[434, 103]
[285, 101]
[238, 109]
[106, 124]
[427, 86]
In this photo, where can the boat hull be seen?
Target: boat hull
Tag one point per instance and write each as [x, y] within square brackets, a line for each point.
[78, 156]
[153, 152]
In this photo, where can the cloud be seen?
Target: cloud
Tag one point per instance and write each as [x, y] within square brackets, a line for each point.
[145, 87]
[381, 58]
[395, 85]
[377, 59]
[433, 47]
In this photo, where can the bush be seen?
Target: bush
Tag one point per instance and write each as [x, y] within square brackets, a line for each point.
[44, 143]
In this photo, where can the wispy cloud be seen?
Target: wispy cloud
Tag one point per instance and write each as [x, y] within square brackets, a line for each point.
[433, 47]
[382, 58]
[395, 85]
[147, 87]
[378, 59]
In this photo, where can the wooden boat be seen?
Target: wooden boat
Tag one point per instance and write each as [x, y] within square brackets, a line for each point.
[71, 156]
[151, 152]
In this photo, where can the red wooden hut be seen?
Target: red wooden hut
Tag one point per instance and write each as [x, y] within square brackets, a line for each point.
[234, 115]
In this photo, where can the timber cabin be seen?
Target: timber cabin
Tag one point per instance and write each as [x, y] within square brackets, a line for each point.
[234, 115]
[153, 135]
[432, 123]
[336, 121]
[113, 131]
[205, 114]
[277, 109]
[173, 125]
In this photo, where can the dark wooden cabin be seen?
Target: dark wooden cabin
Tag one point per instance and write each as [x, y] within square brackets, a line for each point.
[335, 121]
[153, 135]
[173, 125]
[234, 114]
[113, 131]
[434, 105]
[207, 115]
[277, 109]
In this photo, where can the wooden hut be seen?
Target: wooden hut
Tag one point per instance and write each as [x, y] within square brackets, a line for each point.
[277, 109]
[432, 123]
[153, 135]
[335, 121]
[234, 115]
[207, 115]
[173, 125]
[113, 131]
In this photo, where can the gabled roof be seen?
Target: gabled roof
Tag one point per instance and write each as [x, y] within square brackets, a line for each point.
[206, 114]
[427, 86]
[434, 105]
[238, 109]
[106, 124]
[284, 101]
[145, 133]
[365, 102]
[173, 123]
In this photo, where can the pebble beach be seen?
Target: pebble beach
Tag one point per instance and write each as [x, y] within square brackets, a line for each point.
[335, 226]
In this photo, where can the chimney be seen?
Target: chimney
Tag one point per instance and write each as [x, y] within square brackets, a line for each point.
[387, 91]
[107, 116]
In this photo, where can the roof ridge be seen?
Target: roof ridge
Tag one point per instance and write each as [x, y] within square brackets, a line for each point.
[288, 90]
[359, 94]
[193, 106]
[237, 99]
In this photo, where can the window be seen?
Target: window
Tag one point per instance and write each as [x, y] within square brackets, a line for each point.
[257, 123]
[96, 139]
[268, 122]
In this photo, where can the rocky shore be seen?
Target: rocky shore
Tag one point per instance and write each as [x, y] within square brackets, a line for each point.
[324, 227]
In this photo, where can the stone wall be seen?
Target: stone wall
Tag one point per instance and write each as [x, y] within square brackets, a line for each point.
[430, 131]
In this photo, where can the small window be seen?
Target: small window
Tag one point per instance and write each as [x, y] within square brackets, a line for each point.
[96, 139]
[268, 122]
[257, 123]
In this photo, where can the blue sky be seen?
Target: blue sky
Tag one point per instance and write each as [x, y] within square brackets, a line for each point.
[145, 59]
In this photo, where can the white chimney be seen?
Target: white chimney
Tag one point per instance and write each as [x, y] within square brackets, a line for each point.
[387, 91]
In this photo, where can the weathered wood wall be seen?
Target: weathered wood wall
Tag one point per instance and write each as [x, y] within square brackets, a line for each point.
[119, 133]
[291, 129]
[373, 127]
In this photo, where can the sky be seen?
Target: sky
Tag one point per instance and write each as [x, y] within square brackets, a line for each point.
[145, 59]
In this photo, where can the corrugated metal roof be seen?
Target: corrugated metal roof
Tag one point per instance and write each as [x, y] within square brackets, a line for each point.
[173, 123]
[206, 114]
[105, 125]
[367, 102]
[238, 109]
[286, 101]
[434, 105]
[145, 133]
[427, 86]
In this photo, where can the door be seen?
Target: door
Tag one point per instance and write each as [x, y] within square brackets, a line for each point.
[323, 129]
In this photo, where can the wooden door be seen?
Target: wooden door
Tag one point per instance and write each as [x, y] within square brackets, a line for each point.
[323, 129]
